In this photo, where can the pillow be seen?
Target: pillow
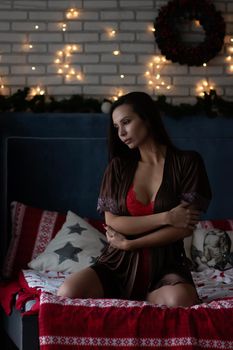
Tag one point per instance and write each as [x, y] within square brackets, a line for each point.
[76, 246]
[226, 224]
[32, 230]
[212, 248]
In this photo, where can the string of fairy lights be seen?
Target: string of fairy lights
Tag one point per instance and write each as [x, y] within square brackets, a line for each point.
[207, 84]
[229, 57]
[154, 68]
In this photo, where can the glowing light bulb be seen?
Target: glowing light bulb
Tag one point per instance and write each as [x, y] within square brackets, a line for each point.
[204, 65]
[112, 33]
[151, 29]
[122, 76]
[116, 52]
[79, 77]
[64, 27]
[205, 83]
[37, 91]
[72, 13]
[157, 59]
[36, 26]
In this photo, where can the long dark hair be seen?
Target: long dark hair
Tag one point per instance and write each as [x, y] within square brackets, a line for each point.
[146, 108]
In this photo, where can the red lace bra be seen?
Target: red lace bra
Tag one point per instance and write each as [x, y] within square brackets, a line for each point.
[135, 207]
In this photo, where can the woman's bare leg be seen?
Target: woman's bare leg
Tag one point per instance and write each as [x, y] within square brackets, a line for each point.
[82, 284]
[182, 294]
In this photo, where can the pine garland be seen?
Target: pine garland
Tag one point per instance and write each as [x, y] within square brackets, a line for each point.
[210, 105]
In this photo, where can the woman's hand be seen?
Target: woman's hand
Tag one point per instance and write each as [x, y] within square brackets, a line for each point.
[116, 239]
[184, 216]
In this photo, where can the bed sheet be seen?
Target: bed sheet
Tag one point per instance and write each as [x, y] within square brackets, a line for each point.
[211, 284]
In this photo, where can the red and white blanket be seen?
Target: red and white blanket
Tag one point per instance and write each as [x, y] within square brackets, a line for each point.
[123, 325]
[112, 324]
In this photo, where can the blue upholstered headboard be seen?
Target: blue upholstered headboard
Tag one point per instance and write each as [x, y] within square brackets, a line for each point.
[56, 161]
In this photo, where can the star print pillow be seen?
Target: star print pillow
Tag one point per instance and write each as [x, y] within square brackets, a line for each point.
[76, 246]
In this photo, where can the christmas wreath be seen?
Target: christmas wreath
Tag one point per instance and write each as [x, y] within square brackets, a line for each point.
[168, 36]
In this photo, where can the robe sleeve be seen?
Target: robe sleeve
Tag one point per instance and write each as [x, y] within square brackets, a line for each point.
[195, 187]
[108, 197]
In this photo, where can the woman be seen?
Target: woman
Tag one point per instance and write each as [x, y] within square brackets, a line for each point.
[152, 196]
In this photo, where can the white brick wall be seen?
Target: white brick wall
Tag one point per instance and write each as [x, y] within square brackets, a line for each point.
[94, 59]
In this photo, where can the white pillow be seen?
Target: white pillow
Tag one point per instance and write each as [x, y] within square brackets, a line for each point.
[75, 246]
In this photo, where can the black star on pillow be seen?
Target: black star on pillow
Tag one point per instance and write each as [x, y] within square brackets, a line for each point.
[92, 260]
[68, 252]
[76, 229]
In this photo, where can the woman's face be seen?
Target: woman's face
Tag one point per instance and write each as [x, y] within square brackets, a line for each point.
[131, 128]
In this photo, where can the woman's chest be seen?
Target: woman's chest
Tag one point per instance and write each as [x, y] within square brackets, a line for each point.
[147, 181]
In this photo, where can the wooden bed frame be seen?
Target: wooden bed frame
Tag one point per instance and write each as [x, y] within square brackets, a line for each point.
[56, 162]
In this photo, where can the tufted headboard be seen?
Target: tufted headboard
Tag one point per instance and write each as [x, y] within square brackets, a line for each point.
[56, 161]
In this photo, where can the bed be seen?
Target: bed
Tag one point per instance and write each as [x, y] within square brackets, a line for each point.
[53, 163]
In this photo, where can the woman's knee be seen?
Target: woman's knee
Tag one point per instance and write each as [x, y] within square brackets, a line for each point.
[84, 284]
[67, 290]
[173, 296]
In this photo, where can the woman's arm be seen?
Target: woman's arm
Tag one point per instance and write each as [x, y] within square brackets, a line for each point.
[161, 237]
[181, 216]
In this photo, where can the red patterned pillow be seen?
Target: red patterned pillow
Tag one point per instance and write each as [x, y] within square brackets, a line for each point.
[224, 224]
[32, 230]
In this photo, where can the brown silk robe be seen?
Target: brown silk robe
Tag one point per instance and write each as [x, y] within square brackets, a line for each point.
[184, 178]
